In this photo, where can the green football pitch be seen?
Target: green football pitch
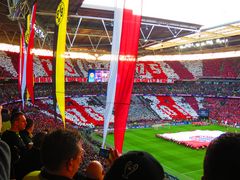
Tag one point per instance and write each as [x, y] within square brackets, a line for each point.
[177, 160]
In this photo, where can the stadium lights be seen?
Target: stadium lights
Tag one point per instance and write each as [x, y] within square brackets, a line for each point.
[9, 47]
[108, 57]
[76, 55]
[42, 52]
[45, 52]
[191, 57]
[105, 57]
[203, 44]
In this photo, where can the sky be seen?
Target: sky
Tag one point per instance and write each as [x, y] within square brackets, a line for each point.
[208, 13]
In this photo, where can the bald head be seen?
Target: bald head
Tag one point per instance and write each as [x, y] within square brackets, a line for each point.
[95, 170]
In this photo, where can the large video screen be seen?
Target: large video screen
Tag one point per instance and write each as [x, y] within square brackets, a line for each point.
[98, 75]
[204, 113]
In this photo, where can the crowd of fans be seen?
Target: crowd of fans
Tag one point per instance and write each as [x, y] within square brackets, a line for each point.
[20, 124]
[66, 154]
[196, 88]
[175, 70]
[151, 104]
[224, 110]
[156, 101]
[206, 88]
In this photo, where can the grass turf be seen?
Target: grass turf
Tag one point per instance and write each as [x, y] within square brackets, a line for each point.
[177, 160]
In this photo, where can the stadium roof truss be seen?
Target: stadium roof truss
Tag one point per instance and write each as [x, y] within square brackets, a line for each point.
[93, 33]
[90, 30]
[228, 30]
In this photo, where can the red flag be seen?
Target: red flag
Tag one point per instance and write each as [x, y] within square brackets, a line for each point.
[30, 74]
[126, 67]
[21, 59]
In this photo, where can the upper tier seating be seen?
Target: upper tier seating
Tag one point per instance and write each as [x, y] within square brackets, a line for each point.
[163, 70]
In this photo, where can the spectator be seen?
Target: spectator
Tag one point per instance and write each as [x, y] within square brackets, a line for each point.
[95, 171]
[5, 155]
[26, 134]
[5, 120]
[135, 165]
[31, 161]
[12, 138]
[222, 158]
[61, 154]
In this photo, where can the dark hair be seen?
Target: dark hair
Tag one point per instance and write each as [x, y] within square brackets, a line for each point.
[135, 165]
[223, 157]
[58, 147]
[5, 115]
[38, 139]
[15, 116]
[15, 110]
[29, 123]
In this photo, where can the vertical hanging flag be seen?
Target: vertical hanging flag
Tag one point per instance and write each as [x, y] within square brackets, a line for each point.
[30, 74]
[59, 61]
[22, 66]
[21, 59]
[126, 67]
[117, 29]
[128, 50]
[25, 39]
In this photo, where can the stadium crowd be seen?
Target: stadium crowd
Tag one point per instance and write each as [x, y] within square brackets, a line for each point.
[152, 103]
[222, 107]
[66, 154]
[177, 70]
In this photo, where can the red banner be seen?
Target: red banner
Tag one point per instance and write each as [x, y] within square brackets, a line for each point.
[126, 68]
[30, 75]
[21, 60]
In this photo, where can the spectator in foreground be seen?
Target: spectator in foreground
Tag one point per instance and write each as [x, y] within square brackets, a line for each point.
[222, 159]
[95, 171]
[27, 133]
[5, 155]
[135, 165]
[14, 141]
[5, 120]
[31, 161]
[61, 154]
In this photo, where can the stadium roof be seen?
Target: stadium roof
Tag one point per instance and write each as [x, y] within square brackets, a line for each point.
[169, 27]
[205, 13]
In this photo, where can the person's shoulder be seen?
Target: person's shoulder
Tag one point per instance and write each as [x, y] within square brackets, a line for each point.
[80, 176]
[44, 175]
[34, 175]
[10, 137]
[6, 134]
[6, 125]
[5, 155]
[4, 148]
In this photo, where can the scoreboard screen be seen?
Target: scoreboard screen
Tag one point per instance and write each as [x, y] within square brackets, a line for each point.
[204, 113]
[98, 75]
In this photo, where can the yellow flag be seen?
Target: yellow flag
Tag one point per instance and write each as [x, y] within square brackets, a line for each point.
[61, 22]
[27, 29]
[28, 96]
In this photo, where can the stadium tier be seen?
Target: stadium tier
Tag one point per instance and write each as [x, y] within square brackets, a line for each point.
[171, 90]
[157, 79]
[166, 71]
